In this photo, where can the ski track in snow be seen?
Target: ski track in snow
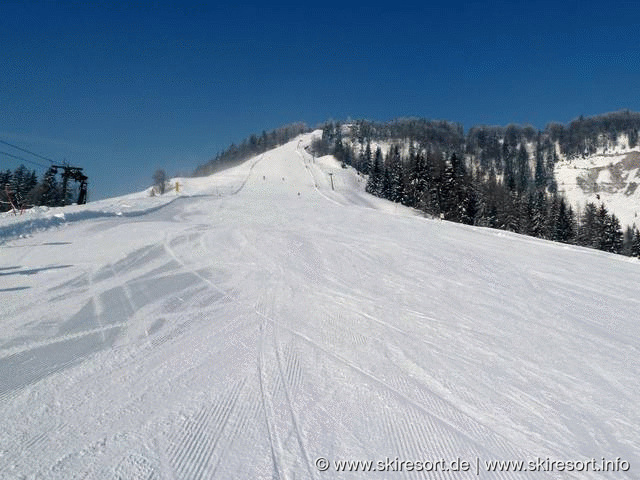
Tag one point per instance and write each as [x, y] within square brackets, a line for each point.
[266, 320]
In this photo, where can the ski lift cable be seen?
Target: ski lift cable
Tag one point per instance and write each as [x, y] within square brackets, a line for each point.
[22, 159]
[27, 151]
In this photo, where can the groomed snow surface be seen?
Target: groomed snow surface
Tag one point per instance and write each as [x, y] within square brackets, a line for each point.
[259, 320]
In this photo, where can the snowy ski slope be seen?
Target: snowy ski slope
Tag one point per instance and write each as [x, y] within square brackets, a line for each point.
[262, 321]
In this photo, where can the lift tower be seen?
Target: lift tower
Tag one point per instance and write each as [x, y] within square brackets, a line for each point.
[73, 173]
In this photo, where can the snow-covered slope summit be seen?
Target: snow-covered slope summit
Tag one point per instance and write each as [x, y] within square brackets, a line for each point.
[263, 321]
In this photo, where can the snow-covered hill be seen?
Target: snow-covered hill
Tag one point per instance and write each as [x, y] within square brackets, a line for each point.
[610, 176]
[259, 321]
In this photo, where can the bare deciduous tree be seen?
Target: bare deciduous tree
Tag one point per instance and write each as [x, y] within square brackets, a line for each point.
[160, 180]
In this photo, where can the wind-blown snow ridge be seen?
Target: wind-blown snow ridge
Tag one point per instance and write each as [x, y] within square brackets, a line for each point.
[263, 320]
[27, 226]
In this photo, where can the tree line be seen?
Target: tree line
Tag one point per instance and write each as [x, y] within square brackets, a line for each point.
[21, 188]
[500, 181]
[501, 147]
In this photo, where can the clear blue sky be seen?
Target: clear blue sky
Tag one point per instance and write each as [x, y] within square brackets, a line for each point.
[122, 90]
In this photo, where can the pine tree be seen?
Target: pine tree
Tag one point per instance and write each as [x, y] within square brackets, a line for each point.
[564, 224]
[463, 184]
[573, 225]
[526, 213]
[347, 156]
[552, 159]
[448, 191]
[395, 187]
[612, 235]
[494, 152]
[524, 172]
[553, 213]
[540, 173]
[539, 215]
[435, 167]
[635, 244]
[386, 182]
[367, 160]
[627, 241]
[5, 178]
[338, 149]
[374, 183]
[5, 183]
[412, 150]
[509, 174]
[602, 241]
[490, 200]
[482, 206]
[48, 191]
[18, 183]
[510, 213]
[417, 181]
[471, 207]
[31, 182]
[588, 234]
